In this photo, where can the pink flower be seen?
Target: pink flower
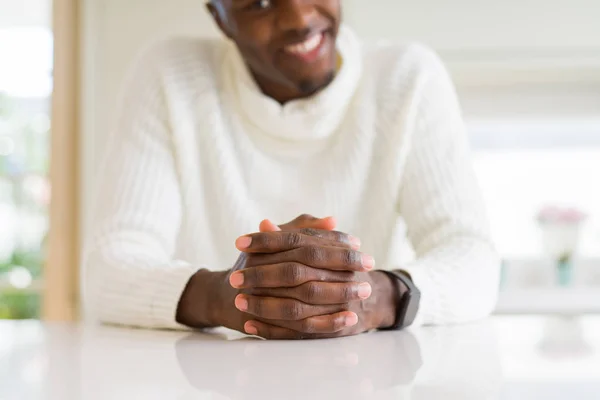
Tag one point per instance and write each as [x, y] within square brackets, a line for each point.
[560, 215]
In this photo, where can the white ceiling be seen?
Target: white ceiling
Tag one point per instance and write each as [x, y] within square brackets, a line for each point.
[25, 13]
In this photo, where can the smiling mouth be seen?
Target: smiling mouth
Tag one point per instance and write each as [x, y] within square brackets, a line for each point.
[310, 45]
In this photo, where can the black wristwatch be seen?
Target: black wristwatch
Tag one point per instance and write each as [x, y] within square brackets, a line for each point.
[408, 304]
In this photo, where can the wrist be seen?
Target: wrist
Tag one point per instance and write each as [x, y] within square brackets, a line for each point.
[201, 303]
[390, 292]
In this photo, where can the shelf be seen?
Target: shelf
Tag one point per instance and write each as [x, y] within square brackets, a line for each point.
[575, 300]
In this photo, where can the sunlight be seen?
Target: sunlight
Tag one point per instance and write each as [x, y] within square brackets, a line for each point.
[26, 67]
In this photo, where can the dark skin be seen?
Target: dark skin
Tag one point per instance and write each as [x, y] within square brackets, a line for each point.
[309, 284]
[261, 31]
[302, 279]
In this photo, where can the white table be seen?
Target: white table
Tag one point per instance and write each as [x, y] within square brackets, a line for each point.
[502, 358]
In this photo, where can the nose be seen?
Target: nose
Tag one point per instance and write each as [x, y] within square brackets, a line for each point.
[296, 15]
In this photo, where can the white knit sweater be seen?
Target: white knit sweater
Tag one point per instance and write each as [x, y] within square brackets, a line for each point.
[200, 156]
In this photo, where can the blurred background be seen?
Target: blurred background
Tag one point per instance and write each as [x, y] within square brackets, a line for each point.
[527, 72]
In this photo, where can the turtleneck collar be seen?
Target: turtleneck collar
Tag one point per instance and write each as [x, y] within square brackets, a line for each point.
[307, 119]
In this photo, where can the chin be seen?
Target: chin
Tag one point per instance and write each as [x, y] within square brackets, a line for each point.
[313, 85]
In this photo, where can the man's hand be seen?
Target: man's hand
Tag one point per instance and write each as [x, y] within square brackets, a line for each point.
[310, 284]
[305, 282]
[208, 299]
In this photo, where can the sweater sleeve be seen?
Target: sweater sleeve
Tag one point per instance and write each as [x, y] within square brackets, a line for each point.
[131, 277]
[456, 267]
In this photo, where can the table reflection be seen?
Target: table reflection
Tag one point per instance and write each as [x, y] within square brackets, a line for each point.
[63, 362]
[449, 363]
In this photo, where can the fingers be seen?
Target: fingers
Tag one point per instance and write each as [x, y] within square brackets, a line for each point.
[320, 293]
[285, 275]
[331, 258]
[278, 241]
[310, 328]
[281, 309]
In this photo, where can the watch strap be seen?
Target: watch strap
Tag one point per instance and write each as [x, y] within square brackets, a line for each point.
[408, 301]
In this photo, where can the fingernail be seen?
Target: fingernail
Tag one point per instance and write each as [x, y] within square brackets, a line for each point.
[351, 319]
[368, 262]
[250, 329]
[355, 242]
[243, 242]
[241, 303]
[364, 291]
[236, 279]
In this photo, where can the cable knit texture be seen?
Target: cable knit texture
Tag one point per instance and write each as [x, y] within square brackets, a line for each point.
[200, 156]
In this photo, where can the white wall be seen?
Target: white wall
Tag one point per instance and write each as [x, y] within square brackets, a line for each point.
[480, 25]
[25, 13]
[502, 42]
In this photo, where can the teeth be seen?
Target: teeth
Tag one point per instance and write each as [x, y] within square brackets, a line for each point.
[307, 46]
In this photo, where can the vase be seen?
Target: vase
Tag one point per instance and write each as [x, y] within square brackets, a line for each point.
[564, 273]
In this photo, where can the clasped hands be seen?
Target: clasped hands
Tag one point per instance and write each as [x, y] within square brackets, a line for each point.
[303, 280]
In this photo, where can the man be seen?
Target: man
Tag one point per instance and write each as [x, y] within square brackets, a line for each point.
[290, 115]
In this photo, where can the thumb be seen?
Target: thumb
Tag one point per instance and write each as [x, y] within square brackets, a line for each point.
[267, 226]
[326, 224]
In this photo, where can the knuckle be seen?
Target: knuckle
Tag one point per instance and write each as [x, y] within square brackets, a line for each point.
[351, 276]
[256, 306]
[305, 217]
[262, 241]
[308, 326]
[341, 237]
[312, 291]
[293, 274]
[310, 232]
[337, 276]
[294, 239]
[347, 293]
[293, 311]
[350, 257]
[255, 276]
[337, 324]
[312, 253]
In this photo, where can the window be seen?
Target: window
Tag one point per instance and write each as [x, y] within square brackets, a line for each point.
[535, 132]
[25, 88]
[523, 166]
[526, 165]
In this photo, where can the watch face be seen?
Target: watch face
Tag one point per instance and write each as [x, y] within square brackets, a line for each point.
[412, 306]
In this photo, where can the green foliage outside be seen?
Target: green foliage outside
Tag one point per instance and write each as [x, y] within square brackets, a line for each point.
[15, 304]
[30, 158]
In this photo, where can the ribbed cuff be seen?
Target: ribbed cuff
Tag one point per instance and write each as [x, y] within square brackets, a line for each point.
[164, 297]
